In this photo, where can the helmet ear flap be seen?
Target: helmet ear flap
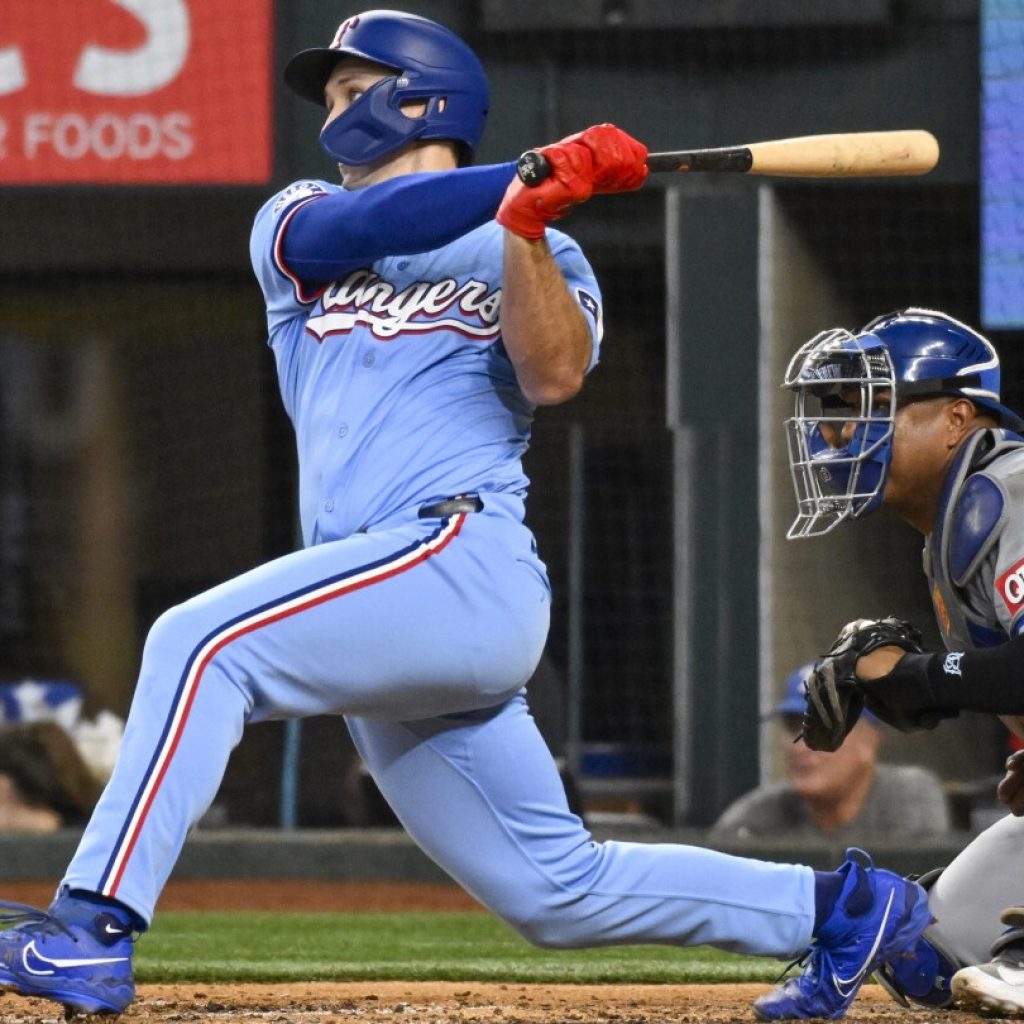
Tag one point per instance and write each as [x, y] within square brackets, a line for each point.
[371, 128]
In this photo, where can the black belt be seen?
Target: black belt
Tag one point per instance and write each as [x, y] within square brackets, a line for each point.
[451, 506]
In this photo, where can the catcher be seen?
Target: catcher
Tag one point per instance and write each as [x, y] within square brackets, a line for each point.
[906, 414]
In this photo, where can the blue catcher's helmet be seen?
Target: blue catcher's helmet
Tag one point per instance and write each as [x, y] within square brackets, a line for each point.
[838, 378]
[430, 64]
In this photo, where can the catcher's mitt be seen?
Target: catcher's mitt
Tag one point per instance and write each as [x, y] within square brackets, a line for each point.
[835, 696]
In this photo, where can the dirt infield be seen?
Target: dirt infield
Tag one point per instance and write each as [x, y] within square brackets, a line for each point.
[433, 1002]
[437, 1003]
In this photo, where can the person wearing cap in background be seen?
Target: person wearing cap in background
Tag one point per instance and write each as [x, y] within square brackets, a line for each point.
[847, 796]
[45, 784]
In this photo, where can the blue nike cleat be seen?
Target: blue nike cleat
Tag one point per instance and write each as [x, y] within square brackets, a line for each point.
[877, 917]
[77, 953]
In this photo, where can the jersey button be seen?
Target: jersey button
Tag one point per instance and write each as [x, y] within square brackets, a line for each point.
[343, 430]
[329, 505]
[369, 359]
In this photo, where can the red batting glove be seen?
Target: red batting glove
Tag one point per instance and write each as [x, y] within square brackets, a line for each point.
[527, 211]
[620, 161]
[601, 159]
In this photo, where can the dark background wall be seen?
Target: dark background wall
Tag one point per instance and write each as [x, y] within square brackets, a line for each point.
[693, 74]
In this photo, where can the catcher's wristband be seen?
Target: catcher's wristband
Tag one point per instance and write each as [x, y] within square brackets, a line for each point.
[905, 698]
[989, 680]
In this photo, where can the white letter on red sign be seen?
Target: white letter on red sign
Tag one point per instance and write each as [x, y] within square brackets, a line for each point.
[12, 71]
[106, 72]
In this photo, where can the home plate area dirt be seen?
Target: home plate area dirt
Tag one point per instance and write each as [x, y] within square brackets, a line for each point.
[421, 1002]
[439, 1003]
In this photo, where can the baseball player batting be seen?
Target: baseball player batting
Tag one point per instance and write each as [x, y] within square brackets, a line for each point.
[419, 313]
[906, 414]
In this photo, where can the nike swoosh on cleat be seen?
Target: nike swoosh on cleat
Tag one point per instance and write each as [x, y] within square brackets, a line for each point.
[46, 965]
[112, 929]
[846, 987]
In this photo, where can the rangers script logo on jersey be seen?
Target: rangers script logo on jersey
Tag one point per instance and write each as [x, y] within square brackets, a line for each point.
[364, 297]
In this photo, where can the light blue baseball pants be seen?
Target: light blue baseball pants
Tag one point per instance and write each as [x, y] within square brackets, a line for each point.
[422, 633]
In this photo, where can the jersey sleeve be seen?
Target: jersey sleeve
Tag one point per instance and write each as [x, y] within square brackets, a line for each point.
[284, 293]
[582, 284]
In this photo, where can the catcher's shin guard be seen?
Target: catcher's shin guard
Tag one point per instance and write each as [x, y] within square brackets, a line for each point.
[922, 974]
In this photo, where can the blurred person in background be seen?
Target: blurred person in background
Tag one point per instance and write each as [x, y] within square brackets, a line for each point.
[846, 796]
[44, 782]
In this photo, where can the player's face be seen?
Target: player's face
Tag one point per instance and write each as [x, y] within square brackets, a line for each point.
[919, 449]
[349, 81]
[823, 776]
[840, 435]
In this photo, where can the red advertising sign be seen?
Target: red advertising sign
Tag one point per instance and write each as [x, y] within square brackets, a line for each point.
[135, 91]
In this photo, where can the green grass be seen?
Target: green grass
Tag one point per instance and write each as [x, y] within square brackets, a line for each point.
[406, 947]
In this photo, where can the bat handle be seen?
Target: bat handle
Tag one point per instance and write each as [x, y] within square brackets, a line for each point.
[533, 168]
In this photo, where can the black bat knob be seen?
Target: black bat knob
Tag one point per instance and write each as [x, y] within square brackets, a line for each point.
[533, 168]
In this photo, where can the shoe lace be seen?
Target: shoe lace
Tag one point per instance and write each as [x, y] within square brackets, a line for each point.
[801, 961]
[15, 915]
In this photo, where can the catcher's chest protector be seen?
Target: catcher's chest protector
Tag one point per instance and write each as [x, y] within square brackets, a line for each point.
[977, 514]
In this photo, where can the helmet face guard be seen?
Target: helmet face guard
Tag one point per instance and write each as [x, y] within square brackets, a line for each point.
[376, 125]
[846, 388]
[373, 126]
[840, 434]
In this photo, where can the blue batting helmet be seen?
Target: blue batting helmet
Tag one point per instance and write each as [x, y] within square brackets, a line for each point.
[430, 63]
[794, 696]
[793, 700]
[841, 378]
[933, 354]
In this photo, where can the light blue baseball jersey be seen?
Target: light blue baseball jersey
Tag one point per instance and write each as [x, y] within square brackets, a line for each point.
[395, 377]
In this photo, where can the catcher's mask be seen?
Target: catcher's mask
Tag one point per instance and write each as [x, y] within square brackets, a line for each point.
[847, 388]
[428, 62]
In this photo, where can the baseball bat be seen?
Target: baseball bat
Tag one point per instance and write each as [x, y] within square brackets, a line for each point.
[839, 155]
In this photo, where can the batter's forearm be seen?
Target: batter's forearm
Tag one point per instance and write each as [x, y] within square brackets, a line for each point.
[543, 328]
[414, 213]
